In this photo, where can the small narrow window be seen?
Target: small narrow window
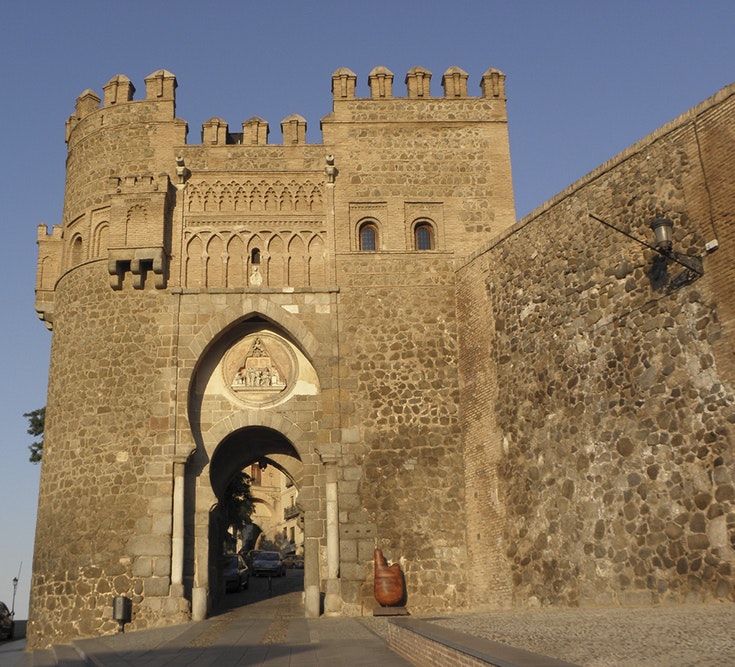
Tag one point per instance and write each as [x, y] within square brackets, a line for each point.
[423, 236]
[368, 237]
[255, 256]
[77, 251]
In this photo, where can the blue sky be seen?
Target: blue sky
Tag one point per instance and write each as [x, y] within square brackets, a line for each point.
[585, 80]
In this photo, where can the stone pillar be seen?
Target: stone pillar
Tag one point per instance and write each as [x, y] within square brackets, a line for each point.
[200, 591]
[177, 532]
[332, 600]
[312, 594]
[198, 603]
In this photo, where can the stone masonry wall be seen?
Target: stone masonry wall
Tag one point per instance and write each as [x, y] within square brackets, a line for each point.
[601, 398]
[398, 351]
[106, 471]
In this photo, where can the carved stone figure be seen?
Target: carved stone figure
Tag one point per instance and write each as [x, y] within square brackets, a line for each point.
[256, 278]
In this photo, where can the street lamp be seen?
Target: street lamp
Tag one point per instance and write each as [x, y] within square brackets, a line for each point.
[15, 587]
[663, 245]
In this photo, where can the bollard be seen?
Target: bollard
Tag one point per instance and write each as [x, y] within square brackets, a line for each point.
[122, 611]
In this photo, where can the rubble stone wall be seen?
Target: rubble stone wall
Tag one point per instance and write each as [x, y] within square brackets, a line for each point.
[599, 395]
[105, 511]
[397, 348]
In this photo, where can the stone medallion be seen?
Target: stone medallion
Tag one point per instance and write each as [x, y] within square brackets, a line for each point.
[260, 368]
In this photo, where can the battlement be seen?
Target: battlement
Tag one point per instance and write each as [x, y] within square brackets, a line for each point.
[418, 80]
[160, 87]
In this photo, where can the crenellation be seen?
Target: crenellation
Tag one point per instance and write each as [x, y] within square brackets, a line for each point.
[160, 85]
[214, 131]
[118, 90]
[454, 82]
[493, 84]
[255, 132]
[344, 82]
[380, 81]
[418, 82]
[87, 102]
[293, 128]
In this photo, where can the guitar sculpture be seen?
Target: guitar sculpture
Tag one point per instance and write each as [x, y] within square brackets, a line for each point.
[389, 588]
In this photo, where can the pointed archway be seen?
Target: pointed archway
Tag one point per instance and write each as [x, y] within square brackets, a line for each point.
[254, 396]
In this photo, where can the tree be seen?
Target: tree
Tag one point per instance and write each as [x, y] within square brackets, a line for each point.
[237, 503]
[36, 425]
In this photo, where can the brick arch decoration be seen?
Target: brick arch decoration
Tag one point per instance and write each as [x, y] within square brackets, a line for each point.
[224, 320]
[228, 317]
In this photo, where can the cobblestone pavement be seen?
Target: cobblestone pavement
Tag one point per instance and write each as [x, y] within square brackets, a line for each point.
[676, 636]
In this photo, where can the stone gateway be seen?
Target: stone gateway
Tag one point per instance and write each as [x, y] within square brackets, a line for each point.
[516, 410]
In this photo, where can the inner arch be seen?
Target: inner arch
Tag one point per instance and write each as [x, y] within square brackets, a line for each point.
[245, 447]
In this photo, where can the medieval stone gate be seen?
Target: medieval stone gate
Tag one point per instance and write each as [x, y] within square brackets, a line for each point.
[512, 410]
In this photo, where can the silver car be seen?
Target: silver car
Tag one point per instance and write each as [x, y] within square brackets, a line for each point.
[267, 563]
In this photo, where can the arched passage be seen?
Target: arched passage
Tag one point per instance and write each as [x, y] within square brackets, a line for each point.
[251, 446]
[253, 397]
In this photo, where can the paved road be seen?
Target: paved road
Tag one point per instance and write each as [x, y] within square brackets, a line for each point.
[263, 626]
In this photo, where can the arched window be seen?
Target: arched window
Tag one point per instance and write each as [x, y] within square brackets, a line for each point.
[423, 236]
[77, 250]
[255, 256]
[368, 236]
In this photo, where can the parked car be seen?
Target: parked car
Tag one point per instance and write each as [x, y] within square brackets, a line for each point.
[235, 573]
[268, 563]
[294, 561]
[7, 625]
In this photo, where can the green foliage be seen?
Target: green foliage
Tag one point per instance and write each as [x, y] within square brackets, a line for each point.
[36, 425]
[237, 503]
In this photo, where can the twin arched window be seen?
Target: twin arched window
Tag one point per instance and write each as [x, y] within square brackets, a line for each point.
[423, 236]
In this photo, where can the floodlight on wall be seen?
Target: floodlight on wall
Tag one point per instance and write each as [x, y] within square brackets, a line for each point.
[663, 232]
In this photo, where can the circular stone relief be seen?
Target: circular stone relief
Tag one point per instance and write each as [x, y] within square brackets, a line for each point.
[260, 368]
